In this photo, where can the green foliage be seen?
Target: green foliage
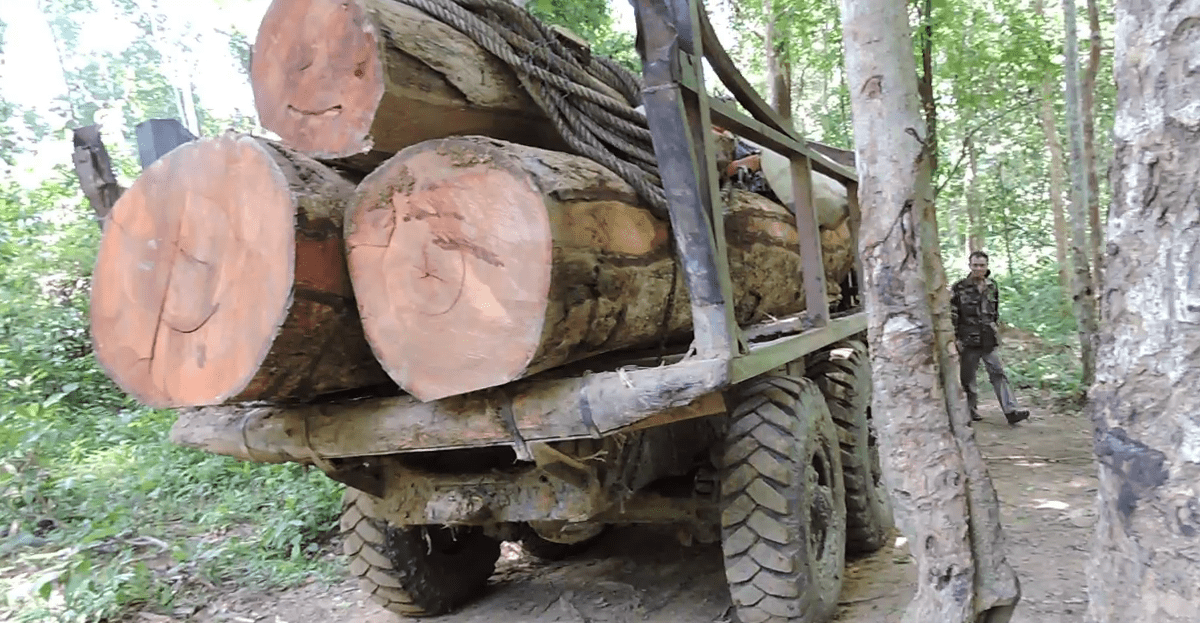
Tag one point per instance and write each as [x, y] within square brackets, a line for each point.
[592, 20]
[100, 512]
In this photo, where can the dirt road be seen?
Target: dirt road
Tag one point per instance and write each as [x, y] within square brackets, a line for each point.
[1042, 469]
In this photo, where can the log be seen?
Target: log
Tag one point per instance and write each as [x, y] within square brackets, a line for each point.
[222, 277]
[538, 410]
[337, 78]
[478, 261]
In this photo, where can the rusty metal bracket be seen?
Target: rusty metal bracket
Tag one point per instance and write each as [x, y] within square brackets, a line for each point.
[362, 475]
[510, 422]
[563, 466]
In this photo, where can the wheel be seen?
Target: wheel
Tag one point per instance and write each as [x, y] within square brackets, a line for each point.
[783, 513]
[844, 375]
[578, 539]
[414, 570]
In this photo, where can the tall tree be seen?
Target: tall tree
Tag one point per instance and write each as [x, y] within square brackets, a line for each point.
[1088, 104]
[974, 219]
[779, 66]
[1147, 393]
[1083, 293]
[944, 497]
[1054, 146]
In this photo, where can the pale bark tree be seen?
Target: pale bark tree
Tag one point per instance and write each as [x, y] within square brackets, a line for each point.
[974, 216]
[1147, 394]
[945, 502]
[1082, 293]
[779, 68]
[1054, 146]
[1088, 101]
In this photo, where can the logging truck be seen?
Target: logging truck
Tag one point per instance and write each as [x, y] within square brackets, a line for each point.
[500, 312]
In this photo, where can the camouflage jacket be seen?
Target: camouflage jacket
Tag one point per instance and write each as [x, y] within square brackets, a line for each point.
[975, 312]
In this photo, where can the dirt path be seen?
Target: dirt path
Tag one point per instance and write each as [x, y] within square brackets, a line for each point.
[1043, 471]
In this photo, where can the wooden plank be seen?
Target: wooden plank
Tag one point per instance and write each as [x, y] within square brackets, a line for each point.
[726, 69]
[808, 226]
[855, 228]
[776, 353]
[729, 117]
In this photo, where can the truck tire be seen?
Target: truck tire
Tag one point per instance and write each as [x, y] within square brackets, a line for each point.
[414, 570]
[783, 513]
[844, 375]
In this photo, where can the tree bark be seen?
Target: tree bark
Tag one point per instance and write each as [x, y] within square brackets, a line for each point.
[1088, 97]
[974, 213]
[1147, 394]
[944, 498]
[1054, 146]
[477, 262]
[221, 277]
[1083, 295]
[338, 78]
[779, 68]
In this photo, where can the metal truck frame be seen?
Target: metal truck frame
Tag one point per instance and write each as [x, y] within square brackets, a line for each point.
[757, 436]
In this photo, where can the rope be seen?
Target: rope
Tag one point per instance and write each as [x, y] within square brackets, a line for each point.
[574, 91]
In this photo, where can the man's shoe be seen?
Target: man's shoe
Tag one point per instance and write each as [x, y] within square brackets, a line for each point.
[975, 417]
[1017, 416]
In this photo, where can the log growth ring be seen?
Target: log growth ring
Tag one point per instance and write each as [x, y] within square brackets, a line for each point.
[194, 273]
[317, 77]
[450, 256]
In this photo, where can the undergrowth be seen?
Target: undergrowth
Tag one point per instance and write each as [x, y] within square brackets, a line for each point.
[99, 512]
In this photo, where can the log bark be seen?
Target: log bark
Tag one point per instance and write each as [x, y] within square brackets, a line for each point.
[339, 78]
[944, 499]
[222, 277]
[94, 169]
[541, 410]
[1147, 437]
[477, 262]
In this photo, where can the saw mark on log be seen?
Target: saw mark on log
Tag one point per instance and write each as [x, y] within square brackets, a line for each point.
[207, 316]
[332, 111]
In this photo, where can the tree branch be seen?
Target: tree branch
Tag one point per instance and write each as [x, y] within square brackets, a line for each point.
[962, 156]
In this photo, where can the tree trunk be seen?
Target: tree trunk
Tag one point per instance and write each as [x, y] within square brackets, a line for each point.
[477, 262]
[944, 498]
[337, 78]
[925, 86]
[779, 68]
[1054, 146]
[1088, 97]
[1082, 294]
[222, 277]
[1147, 393]
[974, 213]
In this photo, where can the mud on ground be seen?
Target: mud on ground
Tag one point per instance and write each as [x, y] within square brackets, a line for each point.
[1042, 469]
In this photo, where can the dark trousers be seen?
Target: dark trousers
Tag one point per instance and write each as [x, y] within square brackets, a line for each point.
[970, 365]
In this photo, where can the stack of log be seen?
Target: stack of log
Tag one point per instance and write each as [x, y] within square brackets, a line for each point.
[475, 251]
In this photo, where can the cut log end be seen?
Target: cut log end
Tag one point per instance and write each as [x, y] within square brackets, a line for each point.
[205, 226]
[450, 254]
[221, 276]
[317, 75]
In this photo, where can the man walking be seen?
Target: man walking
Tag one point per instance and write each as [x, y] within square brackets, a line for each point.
[975, 311]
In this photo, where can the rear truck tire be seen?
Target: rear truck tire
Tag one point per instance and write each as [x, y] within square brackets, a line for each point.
[844, 375]
[783, 513]
[570, 540]
[414, 570]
